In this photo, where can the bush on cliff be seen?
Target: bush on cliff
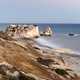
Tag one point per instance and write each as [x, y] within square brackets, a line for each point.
[61, 72]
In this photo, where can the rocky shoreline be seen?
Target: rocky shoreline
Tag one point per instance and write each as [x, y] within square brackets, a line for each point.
[23, 59]
[27, 31]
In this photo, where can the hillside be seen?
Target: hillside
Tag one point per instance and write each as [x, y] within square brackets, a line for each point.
[21, 60]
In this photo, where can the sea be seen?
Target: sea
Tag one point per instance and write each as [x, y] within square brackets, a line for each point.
[60, 37]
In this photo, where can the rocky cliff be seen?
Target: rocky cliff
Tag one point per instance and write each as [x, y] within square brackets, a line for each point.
[21, 60]
[47, 32]
[20, 31]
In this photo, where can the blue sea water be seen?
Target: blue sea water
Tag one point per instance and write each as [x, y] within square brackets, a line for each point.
[63, 28]
[58, 28]
[60, 38]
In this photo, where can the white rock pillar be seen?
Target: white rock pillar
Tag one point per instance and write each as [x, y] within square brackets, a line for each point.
[37, 31]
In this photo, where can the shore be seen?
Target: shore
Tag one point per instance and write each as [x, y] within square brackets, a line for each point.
[62, 41]
[71, 60]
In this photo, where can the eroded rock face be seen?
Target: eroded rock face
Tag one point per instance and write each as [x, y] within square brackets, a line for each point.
[47, 32]
[5, 36]
[21, 31]
[45, 62]
[8, 72]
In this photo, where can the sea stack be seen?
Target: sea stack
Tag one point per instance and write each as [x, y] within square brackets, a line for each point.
[47, 32]
[71, 34]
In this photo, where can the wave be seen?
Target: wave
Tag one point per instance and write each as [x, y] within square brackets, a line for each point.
[48, 44]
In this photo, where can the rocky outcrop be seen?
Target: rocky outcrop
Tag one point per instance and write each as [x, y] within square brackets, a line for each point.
[27, 31]
[23, 59]
[23, 31]
[9, 72]
[5, 36]
[45, 62]
[47, 32]
[19, 60]
[71, 34]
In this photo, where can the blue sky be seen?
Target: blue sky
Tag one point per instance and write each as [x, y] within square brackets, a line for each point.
[40, 11]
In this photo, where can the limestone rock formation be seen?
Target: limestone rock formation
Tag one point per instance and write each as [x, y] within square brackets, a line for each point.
[47, 32]
[20, 31]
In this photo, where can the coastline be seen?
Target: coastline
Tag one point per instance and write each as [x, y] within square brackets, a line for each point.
[35, 61]
[71, 60]
[46, 42]
[60, 40]
[37, 55]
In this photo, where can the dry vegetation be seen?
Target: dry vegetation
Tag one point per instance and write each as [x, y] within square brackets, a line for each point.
[24, 59]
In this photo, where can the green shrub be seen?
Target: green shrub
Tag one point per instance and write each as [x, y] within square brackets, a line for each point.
[61, 72]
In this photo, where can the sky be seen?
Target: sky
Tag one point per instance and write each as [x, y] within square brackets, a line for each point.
[40, 11]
